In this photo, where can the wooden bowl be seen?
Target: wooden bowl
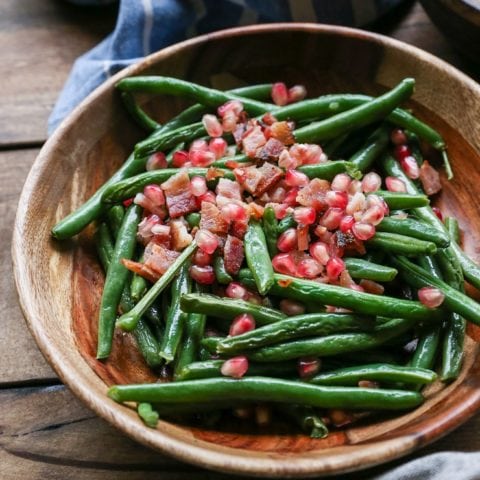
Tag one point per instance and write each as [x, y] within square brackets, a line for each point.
[59, 282]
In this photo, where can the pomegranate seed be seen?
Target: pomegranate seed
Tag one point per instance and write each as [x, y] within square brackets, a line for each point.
[438, 213]
[394, 184]
[431, 297]
[218, 146]
[341, 182]
[296, 93]
[371, 182]
[209, 196]
[241, 324]
[156, 161]
[212, 125]
[356, 203]
[284, 263]
[355, 187]
[233, 106]
[207, 241]
[287, 241]
[346, 223]
[158, 229]
[234, 213]
[291, 197]
[410, 167]
[376, 201]
[370, 286]
[235, 367]
[402, 151]
[263, 415]
[201, 158]
[281, 211]
[319, 251]
[144, 232]
[309, 268]
[179, 159]
[332, 218]
[398, 137]
[202, 275]
[126, 203]
[279, 94]
[374, 215]
[198, 186]
[155, 194]
[304, 215]
[363, 231]
[307, 154]
[236, 290]
[294, 178]
[335, 266]
[308, 366]
[336, 199]
[202, 259]
[198, 144]
[291, 307]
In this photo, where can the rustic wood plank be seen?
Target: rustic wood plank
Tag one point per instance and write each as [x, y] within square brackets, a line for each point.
[21, 360]
[40, 39]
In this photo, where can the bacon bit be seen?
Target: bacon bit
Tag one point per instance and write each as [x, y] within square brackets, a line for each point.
[255, 210]
[302, 237]
[268, 118]
[239, 228]
[211, 219]
[238, 133]
[233, 255]
[271, 150]
[180, 199]
[252, 140]
[282, 131]
[307, 154]
[313, 195]
[213, 173]
[180, 236]
[158, 258]
[285, 160]
[140, 269]
[161, 235]
[430, 179]
[144, 231]
[257, 180]
[232, 164]
[284, 283]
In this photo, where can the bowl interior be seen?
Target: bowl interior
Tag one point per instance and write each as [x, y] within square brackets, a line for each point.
[60, 283]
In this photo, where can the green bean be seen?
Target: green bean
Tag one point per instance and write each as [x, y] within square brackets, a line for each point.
[260, 389]
[193, 219]
[376, 372]
[394, 243]
[228, 308]
[402, 201]
[129, 187]
[104, 245]
[138, 287]
[360, 116]
[374, 146]
[147, 344]
[306, 418]
[415, 229]
[222, 276]
[332, 344]
[117, 275]
[359, 268]
[190, 348]
[239, 158]
[429, 263]
[332, 146]
[257, 256]
[137, 113]
[147, 414]
[300, 326]
[285, 223]
[329, 169]
[129, 320]
[270, 227]
[115, 217]
[366, 303]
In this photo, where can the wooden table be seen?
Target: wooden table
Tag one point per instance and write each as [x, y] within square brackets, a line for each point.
[45, 432]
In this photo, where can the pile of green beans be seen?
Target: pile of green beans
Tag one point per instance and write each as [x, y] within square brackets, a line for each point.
[308, 346]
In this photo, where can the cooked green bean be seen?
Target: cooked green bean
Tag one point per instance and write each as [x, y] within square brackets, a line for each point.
[306, 418]
[374, 146]
[114, 218]
[138, 114]
[270, 227]
[394, 243]
[402, 201]
[104, 245]
[328, 169]
[222, 276]
[360, 268]
[147, 414]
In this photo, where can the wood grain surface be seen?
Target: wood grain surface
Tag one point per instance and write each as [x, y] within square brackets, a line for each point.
[45, 432]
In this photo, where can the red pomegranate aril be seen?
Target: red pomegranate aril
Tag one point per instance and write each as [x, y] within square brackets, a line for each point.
[287, 241]
[179, 158]
[370, 286]
[281, 210]
[234, 106]
[304, 215]
[371, 182]
[398, 137]
[438, 213]
[320, 252]
[373, 215]
[241, 324]
[236, 290]
[155, 194]
[309, 268]
[202, 259]
[201, 158]
[410, 167]
[336, 199]
[296, 93]
[284, 263]
[198, 186]
[402, 151]
[291, 307]
[209, 196]
[207, 241]
[394, 184]
[341, 182]
[291, 197]
[156, 161]
[356, 203]
[199, 144]
[431, 297]
[235, 367]
[279, 94]
[308, 366]
[346, 223]
[363, 231]
[332, 218]
[126, 203]
[218, 146]
[294, 178]
[202, 275]
[355, 187]
[212, 125]
[234, 213]
[335, 266]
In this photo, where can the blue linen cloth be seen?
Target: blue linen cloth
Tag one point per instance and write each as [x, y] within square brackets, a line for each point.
[145, 26]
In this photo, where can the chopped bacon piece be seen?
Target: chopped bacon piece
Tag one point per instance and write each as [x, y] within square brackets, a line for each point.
[227, 192]
[313, 195]
[257, 180]
[255, 210]
[282, 131]
[212, 219]
[239, 228]
[180, 199]
[252, 140]
[271, 150]
[158, 258]
[180, 236]
[430, 179]
[141, 269]
[303, 237]
[233, 255]
[239, 132]
[213, 173]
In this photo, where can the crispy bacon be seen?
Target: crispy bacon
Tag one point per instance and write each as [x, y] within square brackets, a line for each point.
[271, 150]
[158, 258]
[257, 180]
[233, 255]
[430, 179]
[228, 191]
[313, 195]
[140, 269]
[180, 236]
[211, 219]
[252, 140]
[180, 199]
[281, 131]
